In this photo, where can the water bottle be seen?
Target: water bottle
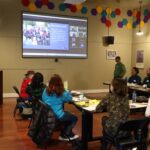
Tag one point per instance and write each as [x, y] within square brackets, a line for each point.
[134, 96]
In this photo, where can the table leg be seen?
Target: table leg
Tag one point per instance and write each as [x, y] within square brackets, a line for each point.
[87, 128]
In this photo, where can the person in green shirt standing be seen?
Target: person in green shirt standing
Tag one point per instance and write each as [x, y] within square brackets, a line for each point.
[120, 69]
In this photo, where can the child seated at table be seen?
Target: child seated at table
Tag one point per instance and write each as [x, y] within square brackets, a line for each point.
[135, 78]
[117, 106]
[55, 96]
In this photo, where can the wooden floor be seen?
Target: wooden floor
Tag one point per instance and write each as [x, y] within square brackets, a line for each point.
[13, 131]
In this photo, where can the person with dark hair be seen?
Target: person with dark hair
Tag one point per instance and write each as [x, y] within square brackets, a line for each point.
[135, 78]
[26, 81]
[117, 106]
[55, 96]
[35, 89]
[120, 69]
[146, 80]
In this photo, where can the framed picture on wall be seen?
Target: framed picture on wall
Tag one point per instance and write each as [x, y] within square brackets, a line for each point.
[111, 54]
[140, 59]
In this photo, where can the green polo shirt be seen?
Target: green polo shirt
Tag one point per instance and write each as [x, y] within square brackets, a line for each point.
[119, 71]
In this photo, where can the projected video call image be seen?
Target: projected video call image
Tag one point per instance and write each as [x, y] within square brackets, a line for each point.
[54, 36]
[36, 33]
[77, 37]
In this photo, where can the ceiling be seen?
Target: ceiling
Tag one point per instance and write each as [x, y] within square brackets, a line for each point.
[131, 4]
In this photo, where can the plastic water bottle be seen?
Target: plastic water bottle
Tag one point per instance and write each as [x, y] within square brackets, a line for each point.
[134, 96]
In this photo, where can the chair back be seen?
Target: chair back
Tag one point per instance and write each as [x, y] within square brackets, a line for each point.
[16, 90]
[138, 126]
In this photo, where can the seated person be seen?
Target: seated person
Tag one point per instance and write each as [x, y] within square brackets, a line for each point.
[135, 78]
[26, 81]
[146, 80]
[36, 88]
[117, 106]
[55, 96]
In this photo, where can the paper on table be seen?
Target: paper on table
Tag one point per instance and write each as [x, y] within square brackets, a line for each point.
[138, 105]
[91, 108]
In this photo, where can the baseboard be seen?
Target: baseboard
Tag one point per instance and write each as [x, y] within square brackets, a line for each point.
[7, 95]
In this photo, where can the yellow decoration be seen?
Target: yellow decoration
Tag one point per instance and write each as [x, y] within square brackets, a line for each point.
[142, 23]
[99, 9]
[32, 7]
[108, 10]
[129, 25]
[134, 13]
[79, 6]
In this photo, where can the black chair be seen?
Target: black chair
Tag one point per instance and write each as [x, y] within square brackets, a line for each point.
[20, 102]
[136, 135]
[55, 124]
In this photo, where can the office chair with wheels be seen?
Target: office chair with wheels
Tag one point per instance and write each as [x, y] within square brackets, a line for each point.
[137, 130]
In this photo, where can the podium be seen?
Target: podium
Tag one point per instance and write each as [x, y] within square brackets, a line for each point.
[1, 87]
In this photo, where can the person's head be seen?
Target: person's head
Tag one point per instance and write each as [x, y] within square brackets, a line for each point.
[135, 71]
[29, 74]
[148, 72]
[37, 80]
[119, 86]
[117, 59]
[55, 85]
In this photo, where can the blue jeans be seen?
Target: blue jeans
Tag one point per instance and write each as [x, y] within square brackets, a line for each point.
[69, 120]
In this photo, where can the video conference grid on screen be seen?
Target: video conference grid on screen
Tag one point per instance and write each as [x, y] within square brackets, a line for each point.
[54, 36]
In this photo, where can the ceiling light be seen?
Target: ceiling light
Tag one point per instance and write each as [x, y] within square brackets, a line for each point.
[74, 1]
[139, 33]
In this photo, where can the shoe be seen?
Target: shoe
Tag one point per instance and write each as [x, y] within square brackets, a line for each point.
[74, 137]
[63, 138]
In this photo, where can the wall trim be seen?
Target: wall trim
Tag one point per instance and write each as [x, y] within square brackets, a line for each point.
[7, 95]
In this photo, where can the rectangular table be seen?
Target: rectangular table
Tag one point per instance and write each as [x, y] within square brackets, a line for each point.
[139, 89]
[87, 121]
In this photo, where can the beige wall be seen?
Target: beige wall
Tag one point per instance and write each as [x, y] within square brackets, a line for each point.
[80, 73]
[142, 43]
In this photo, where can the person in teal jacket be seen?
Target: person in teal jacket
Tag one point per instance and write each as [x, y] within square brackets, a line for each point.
[55, 96]
[120, 69]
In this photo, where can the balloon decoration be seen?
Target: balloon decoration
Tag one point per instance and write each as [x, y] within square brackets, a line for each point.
[118, 11]
[73, 8]
[129, 25]
[84, 10]
[62, 7]
[79, 6]
[94, 12]
[113, 14]
[32, 7]
[99, 9]
[106, 14]
[38, 3]
[120, 24]
[50, 5]
[45, 2]
[25, 3]
[108, 23]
